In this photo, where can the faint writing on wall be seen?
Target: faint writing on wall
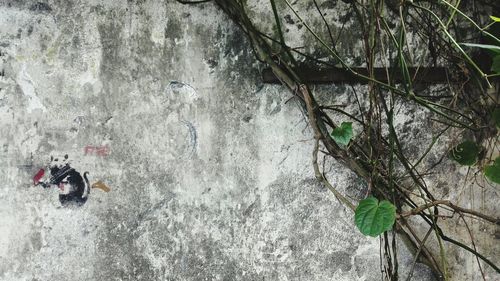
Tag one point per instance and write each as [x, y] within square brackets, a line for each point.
[102, 150]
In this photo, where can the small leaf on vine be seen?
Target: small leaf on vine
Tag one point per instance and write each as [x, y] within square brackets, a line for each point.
[495, 19]
[342, 135]
[372, 218]
[496, 117]
[492, 48]
[465, 153]
[495, 66]
[492, 172]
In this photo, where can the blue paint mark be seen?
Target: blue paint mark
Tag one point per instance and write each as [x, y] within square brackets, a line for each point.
[193, 136]
[177, 85]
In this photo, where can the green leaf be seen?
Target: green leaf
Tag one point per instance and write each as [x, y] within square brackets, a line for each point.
[492, 172]
[465, 153]
[496, 116]
[493, 48]
[373, 218]
[495, 67]
[495, 19]
[342, 135]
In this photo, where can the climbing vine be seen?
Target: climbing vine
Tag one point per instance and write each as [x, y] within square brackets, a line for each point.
[462, 37]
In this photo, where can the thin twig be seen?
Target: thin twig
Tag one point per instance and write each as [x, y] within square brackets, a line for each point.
[454, 207]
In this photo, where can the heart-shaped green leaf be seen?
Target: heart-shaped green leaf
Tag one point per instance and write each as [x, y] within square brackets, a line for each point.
[465, 153]
[492, 172]
[342, 135]
[373, 218]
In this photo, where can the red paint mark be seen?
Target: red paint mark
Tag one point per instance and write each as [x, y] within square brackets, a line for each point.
[87, 149]
[102, 150]
[38, 176]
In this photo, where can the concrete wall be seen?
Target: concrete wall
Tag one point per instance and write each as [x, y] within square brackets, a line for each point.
[209, 170]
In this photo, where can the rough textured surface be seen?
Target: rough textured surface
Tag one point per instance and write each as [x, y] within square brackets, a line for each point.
[209, 170]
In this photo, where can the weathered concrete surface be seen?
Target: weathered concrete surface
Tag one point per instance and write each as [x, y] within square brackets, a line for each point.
[209, 170]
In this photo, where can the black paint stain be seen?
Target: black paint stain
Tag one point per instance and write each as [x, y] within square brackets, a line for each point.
[40, 7]
[289, 20]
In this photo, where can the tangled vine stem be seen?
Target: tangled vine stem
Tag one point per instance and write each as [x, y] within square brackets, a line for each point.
[455, 208]
[378, 155]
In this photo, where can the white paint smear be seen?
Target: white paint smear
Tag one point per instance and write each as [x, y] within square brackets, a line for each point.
[26, 84]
